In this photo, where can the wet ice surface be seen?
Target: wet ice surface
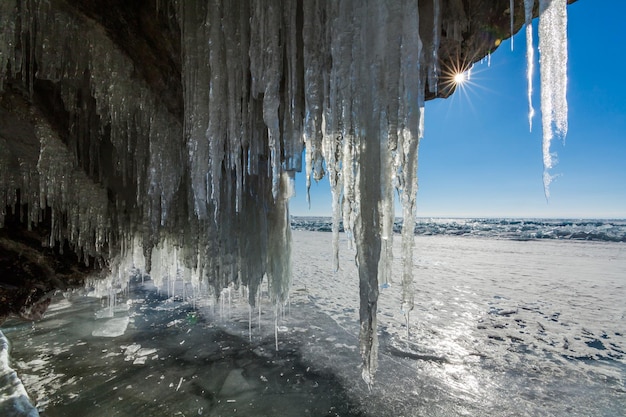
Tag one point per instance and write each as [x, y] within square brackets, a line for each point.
[155, 356]
[533, 328]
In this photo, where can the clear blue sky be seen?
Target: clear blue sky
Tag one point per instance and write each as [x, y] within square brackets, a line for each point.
[478, 158]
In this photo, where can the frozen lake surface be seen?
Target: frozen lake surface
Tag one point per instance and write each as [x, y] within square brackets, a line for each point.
[501, 327]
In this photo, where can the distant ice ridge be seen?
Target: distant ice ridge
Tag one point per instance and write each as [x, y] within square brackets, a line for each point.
[14, 401]
[517, 229]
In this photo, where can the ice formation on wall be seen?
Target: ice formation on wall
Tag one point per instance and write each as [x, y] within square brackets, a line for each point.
[204, 197]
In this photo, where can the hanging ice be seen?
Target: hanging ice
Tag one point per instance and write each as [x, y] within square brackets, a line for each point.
[553, 58]
[512, 17]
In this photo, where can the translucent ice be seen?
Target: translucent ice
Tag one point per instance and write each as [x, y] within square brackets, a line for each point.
[553, 56]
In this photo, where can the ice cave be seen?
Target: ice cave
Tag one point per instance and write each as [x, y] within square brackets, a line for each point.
[161, 138]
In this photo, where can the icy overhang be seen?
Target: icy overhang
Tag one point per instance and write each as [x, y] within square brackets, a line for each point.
[175, 128]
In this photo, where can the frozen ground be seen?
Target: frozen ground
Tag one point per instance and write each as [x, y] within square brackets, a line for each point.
[500, 328]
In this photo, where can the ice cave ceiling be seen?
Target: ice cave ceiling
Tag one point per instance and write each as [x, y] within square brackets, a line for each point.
[170, 130]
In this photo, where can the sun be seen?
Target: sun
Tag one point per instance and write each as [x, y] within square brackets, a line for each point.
[456, 75]
[459, 78]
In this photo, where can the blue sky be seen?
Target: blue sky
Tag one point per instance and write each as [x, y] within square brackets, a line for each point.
[478, 158]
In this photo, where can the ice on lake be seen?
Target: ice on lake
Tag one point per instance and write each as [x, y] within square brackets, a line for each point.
[501, 327]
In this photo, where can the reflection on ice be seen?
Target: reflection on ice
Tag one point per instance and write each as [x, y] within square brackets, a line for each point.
[168, 359]
[491, 321]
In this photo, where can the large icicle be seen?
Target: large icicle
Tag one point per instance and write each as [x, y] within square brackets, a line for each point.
[389, 137]
[368, 52]
[279, 247]
[553, 52]
[195, 80]
[313, 34]
[374, 134]
[266, 64]
[409, 133]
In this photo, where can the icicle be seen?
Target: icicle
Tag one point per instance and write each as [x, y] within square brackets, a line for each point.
[259, 315]
[409, 134]
[530, 58]
[338, 111]
[195, 80]
[7, 37]
[276, 327]
[279, 247]
[389, 122]
[387, 216]
[433, 71]
[553, 51]
[332, 141]
[216, 134]
[266, 63]
[292, 103]
[249, 322]
[314, 60]
[332, 154]
[367, 190]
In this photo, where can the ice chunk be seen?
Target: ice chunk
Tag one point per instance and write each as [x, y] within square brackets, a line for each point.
[14, 400]
[111, 328]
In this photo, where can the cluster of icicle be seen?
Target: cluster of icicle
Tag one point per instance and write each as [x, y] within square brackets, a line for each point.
[214, 186]
[349, 83]
[206, 199]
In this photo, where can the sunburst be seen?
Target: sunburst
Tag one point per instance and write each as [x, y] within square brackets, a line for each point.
[457, 74]
[459, 78]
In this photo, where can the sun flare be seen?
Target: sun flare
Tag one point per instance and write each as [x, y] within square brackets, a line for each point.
[456, 75]
[459, 78]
